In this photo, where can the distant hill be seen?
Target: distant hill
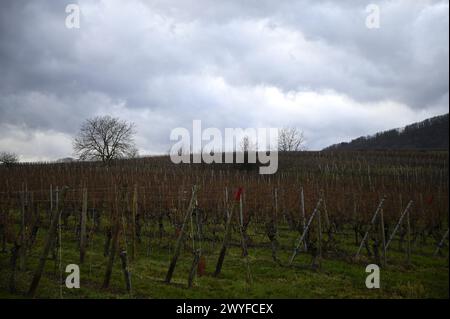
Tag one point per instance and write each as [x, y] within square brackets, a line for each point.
[430, 134]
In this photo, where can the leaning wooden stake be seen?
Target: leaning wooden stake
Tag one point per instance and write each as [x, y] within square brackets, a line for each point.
[383, 237]
[399, 223]
[48, 244]
[380, 206]
[226, 239]
[441, 244]
[302, 237]
[180, 239]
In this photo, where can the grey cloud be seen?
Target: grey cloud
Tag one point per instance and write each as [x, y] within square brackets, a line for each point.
[163, 63]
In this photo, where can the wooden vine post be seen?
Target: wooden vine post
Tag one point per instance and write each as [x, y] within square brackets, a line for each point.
[226, 201]
[408, 235]
[195, 234]
[180, 239]
[372, 222]
[125, 270]
[319, 238]
[441, 243]
[24, 209]
[399, 223]
[13, 264]
[302, 200]
[83, 237]
[383, 237]
[133, 222]
[193, 271]
[243, 240]
[303, 236]
[51, 235]
[51, 198]
[114, 244]
[227, 235]
[276, 206]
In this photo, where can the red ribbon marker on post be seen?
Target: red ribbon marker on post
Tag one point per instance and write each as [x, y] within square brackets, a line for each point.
[238, 194]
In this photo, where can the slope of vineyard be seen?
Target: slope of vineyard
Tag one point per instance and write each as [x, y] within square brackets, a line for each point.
[140, 209]
[430, 134]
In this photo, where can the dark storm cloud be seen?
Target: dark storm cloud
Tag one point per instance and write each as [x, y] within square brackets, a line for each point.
[162, 63]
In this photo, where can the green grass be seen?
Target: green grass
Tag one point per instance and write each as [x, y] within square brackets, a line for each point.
[339, 277]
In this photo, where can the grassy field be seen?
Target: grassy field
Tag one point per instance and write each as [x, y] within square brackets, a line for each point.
[338, 277]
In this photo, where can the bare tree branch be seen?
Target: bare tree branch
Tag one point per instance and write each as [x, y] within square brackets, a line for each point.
[105, 138]
[247, 144]
[8, 159]
[290, 140]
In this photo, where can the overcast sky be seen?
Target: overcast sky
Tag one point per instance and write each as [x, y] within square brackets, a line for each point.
[312, 64]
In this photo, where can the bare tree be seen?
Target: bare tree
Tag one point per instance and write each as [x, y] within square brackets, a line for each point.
[105, 138]
[247, 144]
[290, 139]
[8, 158]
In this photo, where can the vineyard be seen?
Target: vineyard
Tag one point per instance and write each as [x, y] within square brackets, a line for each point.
[147, 228]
